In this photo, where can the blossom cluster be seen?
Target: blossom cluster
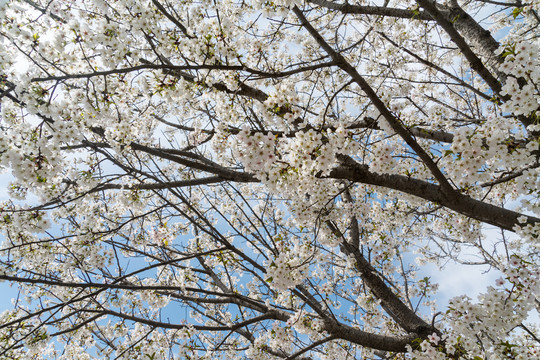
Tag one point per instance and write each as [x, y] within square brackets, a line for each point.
[258, 153]
[487, 323]
[522, 65]
[291, 265]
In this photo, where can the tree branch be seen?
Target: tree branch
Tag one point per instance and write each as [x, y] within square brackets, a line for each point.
[475, 62]
[462, 204]
[347, 8]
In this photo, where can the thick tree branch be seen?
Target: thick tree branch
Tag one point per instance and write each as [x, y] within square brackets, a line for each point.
[462, 204]
[483, 43]
[347, 8]
[394, 306]
[206, 166]
[373, 341]
[475, 62]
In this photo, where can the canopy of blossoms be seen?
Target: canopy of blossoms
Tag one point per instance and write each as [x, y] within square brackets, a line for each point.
[248, 179]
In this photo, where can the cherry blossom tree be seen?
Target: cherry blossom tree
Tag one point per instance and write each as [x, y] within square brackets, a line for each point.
[256, 179]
